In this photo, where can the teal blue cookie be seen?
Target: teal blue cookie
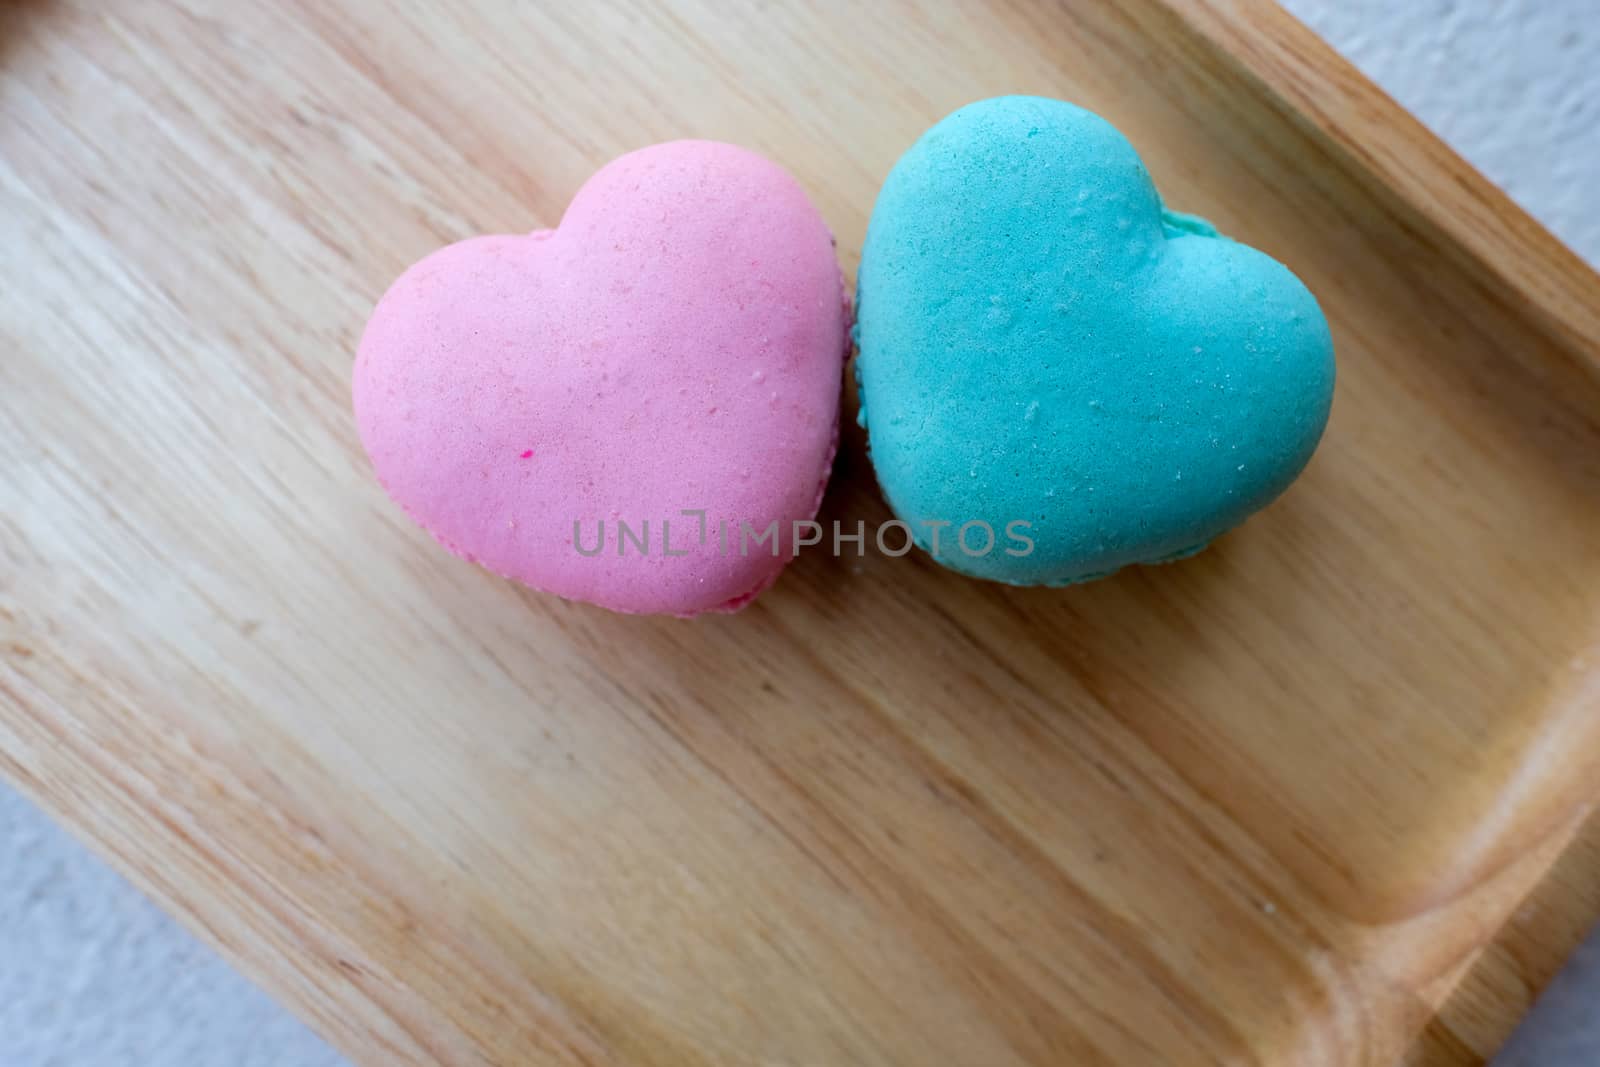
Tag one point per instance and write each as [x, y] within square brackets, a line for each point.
[1058, 376]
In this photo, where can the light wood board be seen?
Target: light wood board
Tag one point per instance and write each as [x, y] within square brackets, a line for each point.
[1267, 806]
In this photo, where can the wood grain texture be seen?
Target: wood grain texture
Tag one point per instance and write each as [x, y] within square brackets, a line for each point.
[1272, 806]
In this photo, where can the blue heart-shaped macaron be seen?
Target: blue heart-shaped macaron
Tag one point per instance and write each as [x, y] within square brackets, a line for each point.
[1054, 366]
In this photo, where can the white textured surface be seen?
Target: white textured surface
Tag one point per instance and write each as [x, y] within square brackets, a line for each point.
[92, 975]
[1513, 85]
[1562, 1031]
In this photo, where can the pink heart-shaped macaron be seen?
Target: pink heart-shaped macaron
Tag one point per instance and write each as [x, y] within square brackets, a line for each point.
[662, 370]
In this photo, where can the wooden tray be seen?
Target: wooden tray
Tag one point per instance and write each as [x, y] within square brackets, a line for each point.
[1266, 806]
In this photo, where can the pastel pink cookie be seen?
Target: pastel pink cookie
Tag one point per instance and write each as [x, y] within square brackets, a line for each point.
[674, 347]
